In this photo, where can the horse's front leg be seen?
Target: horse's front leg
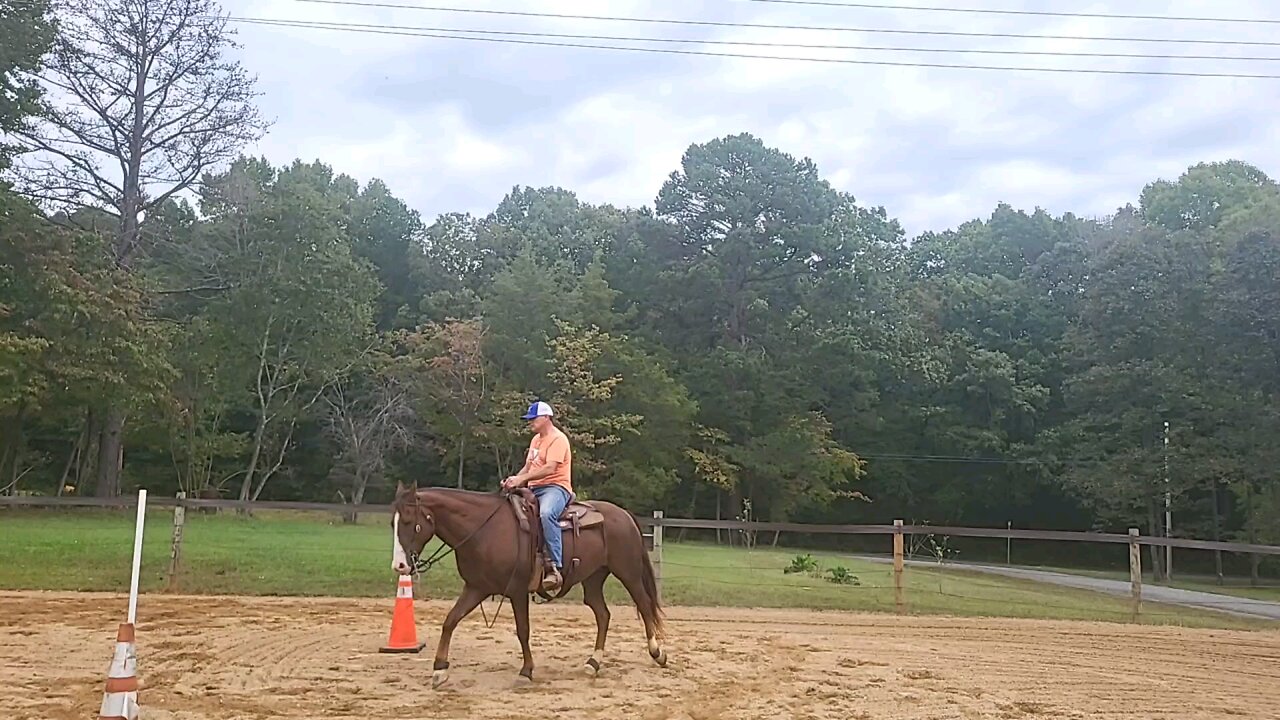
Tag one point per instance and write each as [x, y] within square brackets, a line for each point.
[520, 608]
[469, 600]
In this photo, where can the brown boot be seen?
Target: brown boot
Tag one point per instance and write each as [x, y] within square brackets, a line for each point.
[551, 581]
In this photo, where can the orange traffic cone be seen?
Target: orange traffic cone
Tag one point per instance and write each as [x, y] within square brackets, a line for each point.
[404, 632]
[120, 699]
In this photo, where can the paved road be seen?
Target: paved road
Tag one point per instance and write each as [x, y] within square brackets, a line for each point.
[1230, 604]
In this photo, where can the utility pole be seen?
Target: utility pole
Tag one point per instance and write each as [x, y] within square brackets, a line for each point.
[1168, 512]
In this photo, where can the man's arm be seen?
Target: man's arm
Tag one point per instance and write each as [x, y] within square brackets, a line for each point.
[524, 478]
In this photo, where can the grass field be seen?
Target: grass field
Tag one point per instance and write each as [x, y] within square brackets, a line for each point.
[276, 553]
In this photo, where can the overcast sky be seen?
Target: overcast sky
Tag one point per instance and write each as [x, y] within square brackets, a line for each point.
[453, 125]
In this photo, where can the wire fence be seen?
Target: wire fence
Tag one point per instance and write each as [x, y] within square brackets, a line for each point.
[315, 549]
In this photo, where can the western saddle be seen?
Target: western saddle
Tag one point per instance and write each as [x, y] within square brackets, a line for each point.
[576, 516]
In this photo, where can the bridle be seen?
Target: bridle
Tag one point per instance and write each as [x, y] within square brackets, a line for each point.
[421, 566]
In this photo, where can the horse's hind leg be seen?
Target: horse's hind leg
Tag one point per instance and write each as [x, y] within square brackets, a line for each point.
[593, 597]
[633, 577]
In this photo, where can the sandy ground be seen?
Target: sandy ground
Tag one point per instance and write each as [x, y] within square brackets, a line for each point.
[203, 658]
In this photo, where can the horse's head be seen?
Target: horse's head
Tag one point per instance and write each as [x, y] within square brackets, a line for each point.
[412, 527]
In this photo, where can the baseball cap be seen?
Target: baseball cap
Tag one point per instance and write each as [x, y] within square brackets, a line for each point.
[538, 409]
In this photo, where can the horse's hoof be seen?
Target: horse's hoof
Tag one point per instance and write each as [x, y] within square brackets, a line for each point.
[592, 667]
[661, 658]
[438, 678]
[525, 677]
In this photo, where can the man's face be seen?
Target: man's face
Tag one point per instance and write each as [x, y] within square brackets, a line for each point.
[539, 423]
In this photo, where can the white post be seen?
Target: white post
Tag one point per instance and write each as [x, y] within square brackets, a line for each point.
[137, 556]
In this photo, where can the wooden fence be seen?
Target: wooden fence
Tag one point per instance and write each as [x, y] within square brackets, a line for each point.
[653, 527]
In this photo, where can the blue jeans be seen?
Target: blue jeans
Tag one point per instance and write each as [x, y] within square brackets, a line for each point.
[552, 500]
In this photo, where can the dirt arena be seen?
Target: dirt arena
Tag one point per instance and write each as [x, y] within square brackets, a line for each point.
[204, 658]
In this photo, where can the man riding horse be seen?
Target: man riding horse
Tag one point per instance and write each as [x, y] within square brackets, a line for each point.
[489, 536]
[548, 472]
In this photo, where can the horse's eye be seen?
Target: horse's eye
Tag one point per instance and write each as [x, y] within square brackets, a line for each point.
[417, 528]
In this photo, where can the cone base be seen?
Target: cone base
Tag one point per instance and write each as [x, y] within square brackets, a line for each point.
[408, 649]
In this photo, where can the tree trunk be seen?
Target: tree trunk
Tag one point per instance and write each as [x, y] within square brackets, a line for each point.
[8, 446]
[246, 487]
[111, 443]
[719, 498]
[1157, 557]
[89, 453]
[110, 453]
[73, 456]
[15, 472]
[462, 457]
[14, 447]
[357, 496]
[693, 509]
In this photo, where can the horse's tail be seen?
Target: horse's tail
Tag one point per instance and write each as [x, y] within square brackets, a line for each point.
[650, 582]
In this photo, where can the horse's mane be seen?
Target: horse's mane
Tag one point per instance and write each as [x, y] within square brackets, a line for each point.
[407, 493]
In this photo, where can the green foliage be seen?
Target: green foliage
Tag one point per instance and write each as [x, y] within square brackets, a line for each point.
[808, 565]
[757, 344]
[802, 564]
[26, 34]
[841, 575]
[73, 333]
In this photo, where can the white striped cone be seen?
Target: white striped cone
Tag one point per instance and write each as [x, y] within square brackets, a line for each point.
[120, 699]
[404, 632]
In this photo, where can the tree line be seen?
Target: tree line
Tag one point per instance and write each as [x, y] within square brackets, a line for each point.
[179, 315]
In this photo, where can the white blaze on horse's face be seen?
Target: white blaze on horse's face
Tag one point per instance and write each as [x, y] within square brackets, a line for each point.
[399, 558]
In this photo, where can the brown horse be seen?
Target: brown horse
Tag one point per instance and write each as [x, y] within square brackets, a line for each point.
[494, 558]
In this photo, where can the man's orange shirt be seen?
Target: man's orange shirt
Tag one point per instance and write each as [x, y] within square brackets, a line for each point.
[553, 448]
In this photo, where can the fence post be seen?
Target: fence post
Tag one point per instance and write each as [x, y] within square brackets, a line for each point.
[897, 565]
[1008, 543]
[1135, 571]
[657, 551]
[179, 518]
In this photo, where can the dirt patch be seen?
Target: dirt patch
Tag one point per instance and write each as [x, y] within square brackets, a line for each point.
[202, 658]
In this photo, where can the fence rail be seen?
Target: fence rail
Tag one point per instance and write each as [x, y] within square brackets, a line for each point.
[667, 522]
[652, 528]
[191, 503]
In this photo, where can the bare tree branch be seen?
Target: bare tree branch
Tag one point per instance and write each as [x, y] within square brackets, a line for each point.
[149, 91]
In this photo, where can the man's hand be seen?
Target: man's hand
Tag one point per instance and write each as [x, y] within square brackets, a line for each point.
[512, 481]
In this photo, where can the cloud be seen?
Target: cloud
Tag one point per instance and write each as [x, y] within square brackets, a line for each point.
[452, 125]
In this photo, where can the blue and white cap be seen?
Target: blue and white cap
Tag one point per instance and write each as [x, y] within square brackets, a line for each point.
[538, 409]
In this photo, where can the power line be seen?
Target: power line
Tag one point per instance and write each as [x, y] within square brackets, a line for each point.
[765, 26]
[666, 51]
[806, 46]
[1040, 13]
